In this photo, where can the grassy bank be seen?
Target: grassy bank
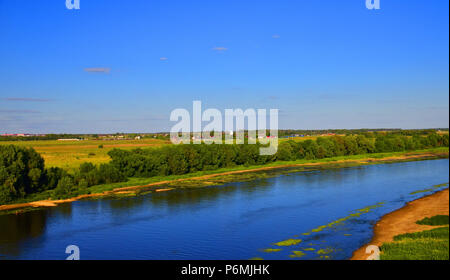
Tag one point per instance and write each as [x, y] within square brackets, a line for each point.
[136, 186]
[413, 232]
[424, 245]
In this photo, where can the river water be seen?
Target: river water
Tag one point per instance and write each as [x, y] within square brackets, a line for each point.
[331, 211]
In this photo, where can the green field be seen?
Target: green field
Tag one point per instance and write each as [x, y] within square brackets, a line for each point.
[70, 154]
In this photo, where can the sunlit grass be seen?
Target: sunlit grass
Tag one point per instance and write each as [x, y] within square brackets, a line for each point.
[424, 245]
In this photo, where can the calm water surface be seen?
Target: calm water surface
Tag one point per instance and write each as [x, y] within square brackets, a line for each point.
[234, 221]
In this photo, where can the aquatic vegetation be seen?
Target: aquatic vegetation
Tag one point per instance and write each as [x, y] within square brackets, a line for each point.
[288, 242]
[355, 214]
[319, 228]
[368, 208]
[422, 191]
[297, 254]
[325, 251]
[432, 188]
[441, 185]
[352, 215]
[270, 250]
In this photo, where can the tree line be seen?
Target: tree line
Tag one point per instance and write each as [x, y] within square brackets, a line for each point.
[22, 170]
[182, 159]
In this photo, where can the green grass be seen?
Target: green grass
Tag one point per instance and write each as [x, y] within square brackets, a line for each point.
[438, 220]
[424, 245]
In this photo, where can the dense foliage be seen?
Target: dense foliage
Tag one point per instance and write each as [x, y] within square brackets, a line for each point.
[184, 159]
[22, 170]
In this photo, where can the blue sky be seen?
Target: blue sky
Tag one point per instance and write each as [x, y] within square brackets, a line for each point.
[123, 66]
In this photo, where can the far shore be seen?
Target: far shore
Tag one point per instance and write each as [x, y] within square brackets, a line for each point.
[404, 220]
[20, 207]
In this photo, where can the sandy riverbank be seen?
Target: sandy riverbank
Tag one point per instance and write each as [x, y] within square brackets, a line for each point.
[404, 220]
[123, 190]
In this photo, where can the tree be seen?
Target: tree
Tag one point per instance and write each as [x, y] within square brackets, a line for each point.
[285, 152]
[21, 172]
[65, 188]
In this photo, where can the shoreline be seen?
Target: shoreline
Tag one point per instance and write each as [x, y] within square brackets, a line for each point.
[404, 220]
[131, 190]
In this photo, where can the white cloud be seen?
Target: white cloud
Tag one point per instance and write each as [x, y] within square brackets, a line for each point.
[220, 49]
[98, 70]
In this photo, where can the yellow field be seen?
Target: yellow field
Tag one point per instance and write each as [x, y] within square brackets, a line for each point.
[70, 154]
[298, 139]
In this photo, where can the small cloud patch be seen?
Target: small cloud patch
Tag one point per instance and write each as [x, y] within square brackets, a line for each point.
[98, 70]
[220, 49]
[25, 99]
[20, 111]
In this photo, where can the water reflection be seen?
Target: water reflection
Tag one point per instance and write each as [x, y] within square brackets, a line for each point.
[16, 228]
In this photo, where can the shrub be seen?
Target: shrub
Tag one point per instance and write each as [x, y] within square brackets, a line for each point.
[65, 188]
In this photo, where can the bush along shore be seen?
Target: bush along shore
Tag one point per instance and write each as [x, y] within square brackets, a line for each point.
[23, 176]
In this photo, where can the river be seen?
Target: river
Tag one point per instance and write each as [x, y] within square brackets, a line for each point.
[331, 211]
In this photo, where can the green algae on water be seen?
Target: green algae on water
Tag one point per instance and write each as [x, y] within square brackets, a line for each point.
[325, 251]
[352, 215]
[297, 254]
[432, 188]
[270, 250]
[288, 242]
